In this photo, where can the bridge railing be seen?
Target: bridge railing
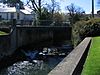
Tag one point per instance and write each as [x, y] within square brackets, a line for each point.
[73, 63]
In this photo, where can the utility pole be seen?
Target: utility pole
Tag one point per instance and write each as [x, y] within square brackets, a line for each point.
[93, 8]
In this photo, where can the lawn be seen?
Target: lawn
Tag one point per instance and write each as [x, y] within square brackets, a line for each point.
[92, 64]
[3, 33]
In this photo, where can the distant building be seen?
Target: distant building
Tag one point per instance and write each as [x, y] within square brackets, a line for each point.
[98, 12]
[8, 13]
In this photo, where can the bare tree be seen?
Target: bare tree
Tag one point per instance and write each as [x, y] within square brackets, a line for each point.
[53, 7]
[38, 5]
[58, 18]
[13, 3]
[75, 13]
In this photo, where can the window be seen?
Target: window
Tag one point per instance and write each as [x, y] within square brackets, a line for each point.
[7, 16]
[18, 16]
[0, 17]
[12, 15]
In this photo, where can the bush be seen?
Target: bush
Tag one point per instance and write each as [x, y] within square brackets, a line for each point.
[5, 23]
[82, 29]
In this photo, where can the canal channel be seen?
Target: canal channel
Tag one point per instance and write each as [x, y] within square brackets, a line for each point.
[34, 62]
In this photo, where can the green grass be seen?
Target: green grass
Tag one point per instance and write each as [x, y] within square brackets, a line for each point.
[3, 33]
[92, 64]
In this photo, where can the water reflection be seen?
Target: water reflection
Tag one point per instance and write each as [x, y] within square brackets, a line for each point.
[37, 67]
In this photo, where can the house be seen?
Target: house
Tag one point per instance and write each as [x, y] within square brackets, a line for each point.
[8, 13]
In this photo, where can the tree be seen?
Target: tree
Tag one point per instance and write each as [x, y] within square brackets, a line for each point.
[75, 13]
[58, 18]
[46, 17]
[38, 6]
[53, 7]
[3, 1]
[13, 3]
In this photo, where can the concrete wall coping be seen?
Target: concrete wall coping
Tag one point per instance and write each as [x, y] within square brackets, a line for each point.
[69, 63]
[43, 26]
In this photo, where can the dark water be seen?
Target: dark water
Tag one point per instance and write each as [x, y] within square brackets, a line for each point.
[39, 67]
[29, 68]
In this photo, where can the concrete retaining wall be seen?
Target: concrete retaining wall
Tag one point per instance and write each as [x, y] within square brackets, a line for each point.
[4, 45]
[22, 36]
[8, 43]
[70, 63]
[33, 35]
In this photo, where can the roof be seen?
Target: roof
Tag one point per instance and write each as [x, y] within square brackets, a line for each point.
[25, 12]
[5, 8]
[8, 9]
[28, 9]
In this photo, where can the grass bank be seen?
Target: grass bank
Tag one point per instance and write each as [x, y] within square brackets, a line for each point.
[92, 64]
[3, 33]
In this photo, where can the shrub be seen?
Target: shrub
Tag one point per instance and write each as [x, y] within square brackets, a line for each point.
[5, 23]
[82, 29]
